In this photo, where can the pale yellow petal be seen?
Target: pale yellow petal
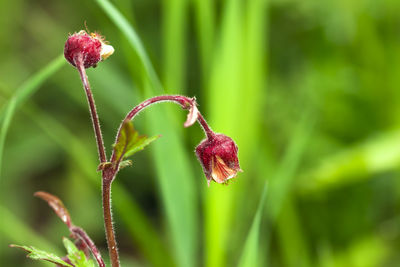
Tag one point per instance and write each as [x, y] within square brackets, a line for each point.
[220, 171]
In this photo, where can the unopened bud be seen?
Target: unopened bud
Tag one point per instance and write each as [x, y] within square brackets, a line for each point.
[218, 157]
[90, 49]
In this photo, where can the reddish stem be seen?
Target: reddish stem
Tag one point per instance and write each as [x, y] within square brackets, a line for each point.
[210, 134]
[183, 101]
[92, 108]
[79, 232]
[108, 176]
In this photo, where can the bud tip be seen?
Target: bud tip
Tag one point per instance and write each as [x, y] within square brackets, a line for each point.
[87, 48]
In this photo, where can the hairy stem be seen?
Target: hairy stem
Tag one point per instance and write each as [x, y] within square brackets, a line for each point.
[89, 243]
[210, 134]
[108, 222]
[183, 101]
[107, 175]
[92, 108]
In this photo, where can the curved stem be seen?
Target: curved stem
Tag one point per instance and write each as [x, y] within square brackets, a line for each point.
[108, 222]
[92, 108]
[210, 134]
[183, 101]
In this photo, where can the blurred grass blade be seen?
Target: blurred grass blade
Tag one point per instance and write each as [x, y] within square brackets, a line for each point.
[293, 246]
[358, 162]
[16, 230]
[249, 257]
[132, 37]
[254, 78]
[205, 23]
[5, 124]
[223, 100]
[177, 182]
[23, 93]
[234, 97]
[174, 28]
[9, 222]
[281, 183]
[366, 251]
[33, 84]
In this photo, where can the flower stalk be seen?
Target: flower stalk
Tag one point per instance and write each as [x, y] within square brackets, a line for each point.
[217, 153]
[107, 177]
[185, 102]
[108, 222]
[206, 128]
[92, 107]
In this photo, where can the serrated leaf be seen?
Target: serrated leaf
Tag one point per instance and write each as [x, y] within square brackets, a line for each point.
[141, 144]
[37, 254]
[129, 142]
[76, 256]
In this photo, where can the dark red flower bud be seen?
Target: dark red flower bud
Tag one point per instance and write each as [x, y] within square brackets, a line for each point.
[218, 157]
[88, 48]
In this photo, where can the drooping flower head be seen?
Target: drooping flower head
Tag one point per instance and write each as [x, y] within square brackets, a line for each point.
[89, 48]
[218, 157]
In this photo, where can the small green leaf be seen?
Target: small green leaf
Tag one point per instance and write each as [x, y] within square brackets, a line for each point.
[76, 256]
[79, 260]
[129, 142]
[70, 246]
[37, 254]
[125, 163]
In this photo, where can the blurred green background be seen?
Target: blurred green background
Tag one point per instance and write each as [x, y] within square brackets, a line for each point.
[308, 89]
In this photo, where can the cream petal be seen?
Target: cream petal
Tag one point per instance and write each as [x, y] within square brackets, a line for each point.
[106, 51]
[192, 116]
[220, 171]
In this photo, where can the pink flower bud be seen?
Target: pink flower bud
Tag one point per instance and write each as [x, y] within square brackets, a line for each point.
[90, 49]
[218, 157]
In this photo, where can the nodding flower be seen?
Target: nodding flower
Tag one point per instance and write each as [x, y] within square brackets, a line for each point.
[88, 48]
[218, 157]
